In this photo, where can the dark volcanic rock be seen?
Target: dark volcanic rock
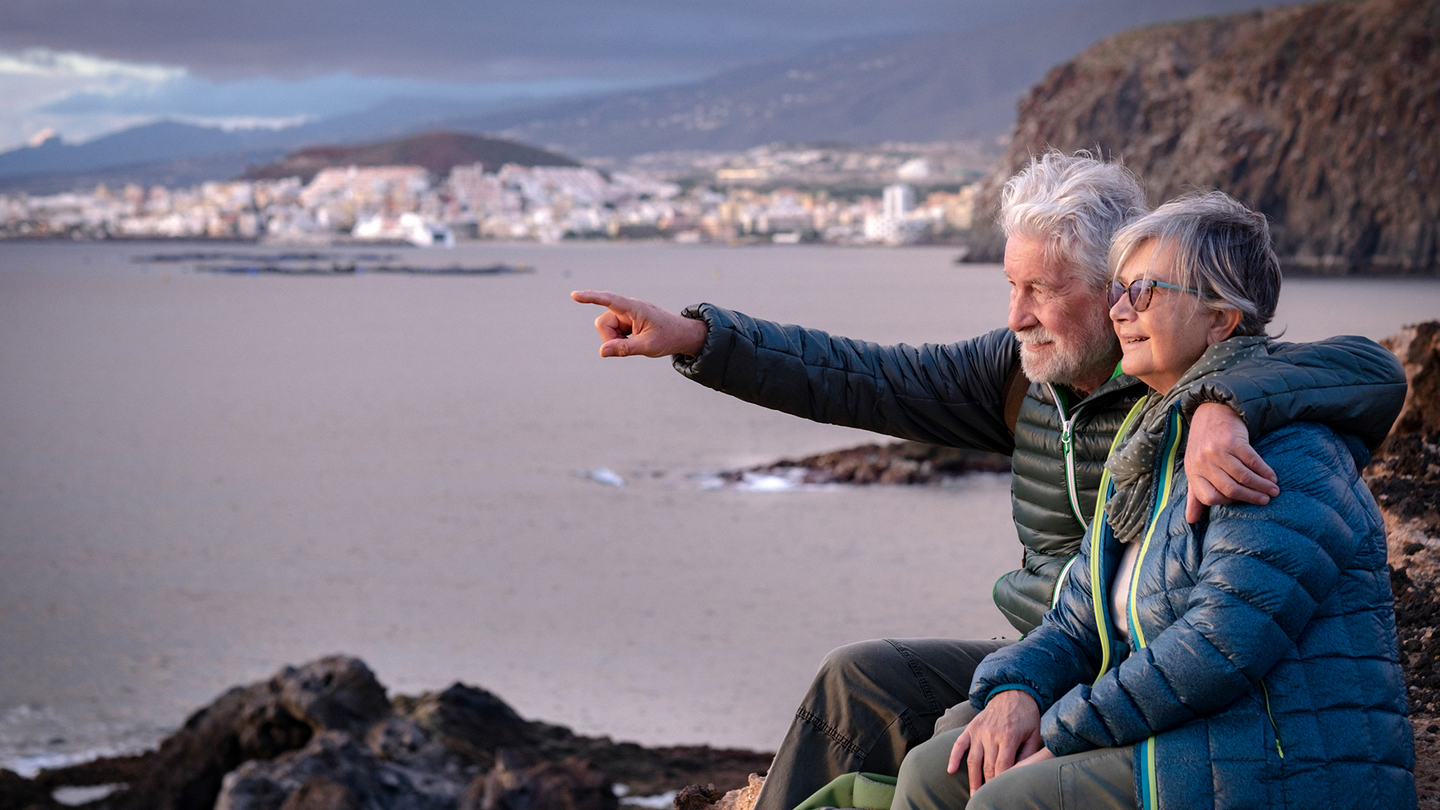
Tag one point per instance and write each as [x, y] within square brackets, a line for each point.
[336, 770]
[19, 793]
[260, 721]
[522, 781]
[332, 694]
[1405, 478]
[896, 463]
[697, 797]
[1418, 348]
[323, 736]
[1322, 116]
[472, 722]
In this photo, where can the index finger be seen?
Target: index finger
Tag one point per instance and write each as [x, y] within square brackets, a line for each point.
[604, 299]
[1254, 472]
[957, 752]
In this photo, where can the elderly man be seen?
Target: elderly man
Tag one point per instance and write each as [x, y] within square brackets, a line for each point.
[1047, 391]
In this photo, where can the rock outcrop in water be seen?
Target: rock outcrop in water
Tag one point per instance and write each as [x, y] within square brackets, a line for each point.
[1323, 116]
[895, 463]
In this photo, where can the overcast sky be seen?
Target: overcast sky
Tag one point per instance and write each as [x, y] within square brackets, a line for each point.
[86, 67]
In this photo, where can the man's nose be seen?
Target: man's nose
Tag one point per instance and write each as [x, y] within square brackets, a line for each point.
[1022, 313]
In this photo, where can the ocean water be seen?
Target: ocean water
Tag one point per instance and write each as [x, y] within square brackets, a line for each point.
[206, 477]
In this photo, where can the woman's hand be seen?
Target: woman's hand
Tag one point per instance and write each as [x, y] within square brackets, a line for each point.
[1006, 731]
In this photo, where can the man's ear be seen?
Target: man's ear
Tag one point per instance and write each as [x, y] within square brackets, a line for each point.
[1222, 324]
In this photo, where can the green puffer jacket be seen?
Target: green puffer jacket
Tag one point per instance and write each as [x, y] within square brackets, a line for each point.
[972, 394]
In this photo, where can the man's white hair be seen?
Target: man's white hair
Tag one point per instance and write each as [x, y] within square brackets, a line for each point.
[1074, 205]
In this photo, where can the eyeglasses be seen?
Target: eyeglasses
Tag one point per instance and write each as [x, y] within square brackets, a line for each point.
[1141, 290]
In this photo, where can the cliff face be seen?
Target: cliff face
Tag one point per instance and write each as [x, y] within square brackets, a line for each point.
[1322, 116]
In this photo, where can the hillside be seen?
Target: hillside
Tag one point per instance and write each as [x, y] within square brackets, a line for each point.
[436, 151]
[946, 85]
[1322, 116]
[955, 84]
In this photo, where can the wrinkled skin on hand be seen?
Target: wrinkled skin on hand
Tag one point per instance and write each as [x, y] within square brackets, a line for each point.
[629, 326]
[1004, 734]
[1221, 465]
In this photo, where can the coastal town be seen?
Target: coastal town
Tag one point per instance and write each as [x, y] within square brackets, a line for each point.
[785, 195]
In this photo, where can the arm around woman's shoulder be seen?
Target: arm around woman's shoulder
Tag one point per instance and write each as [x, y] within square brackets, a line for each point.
[1352, 384]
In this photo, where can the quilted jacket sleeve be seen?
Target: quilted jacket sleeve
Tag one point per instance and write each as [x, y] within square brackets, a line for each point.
[1051, 659]
[1263, 572]
[1352, 384]
[951, 395]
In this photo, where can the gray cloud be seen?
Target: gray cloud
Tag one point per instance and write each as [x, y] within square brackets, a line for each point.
[470, 40]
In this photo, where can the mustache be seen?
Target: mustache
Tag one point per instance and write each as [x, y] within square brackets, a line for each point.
[1035, 334]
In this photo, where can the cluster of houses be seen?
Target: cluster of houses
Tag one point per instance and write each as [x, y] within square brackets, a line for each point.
[539, 203]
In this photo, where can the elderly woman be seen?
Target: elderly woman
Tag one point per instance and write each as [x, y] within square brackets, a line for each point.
[1245, 661]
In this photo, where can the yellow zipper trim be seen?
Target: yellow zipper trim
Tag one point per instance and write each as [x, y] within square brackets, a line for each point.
[1273, 727]
[1167, 486]
[1097, 531]
[1152, 783]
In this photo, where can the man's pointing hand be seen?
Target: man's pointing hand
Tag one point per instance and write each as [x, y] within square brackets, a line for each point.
[629, 326]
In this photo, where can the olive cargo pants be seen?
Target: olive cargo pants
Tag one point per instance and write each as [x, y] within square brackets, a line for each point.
[869, 704]
[1103, 779]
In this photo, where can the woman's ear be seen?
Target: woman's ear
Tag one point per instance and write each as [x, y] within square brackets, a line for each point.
[1222, 324]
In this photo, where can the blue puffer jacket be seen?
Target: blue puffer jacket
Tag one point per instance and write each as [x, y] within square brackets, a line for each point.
[1263, 669]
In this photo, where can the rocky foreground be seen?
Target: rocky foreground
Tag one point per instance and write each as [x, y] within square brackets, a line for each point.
[325, 736]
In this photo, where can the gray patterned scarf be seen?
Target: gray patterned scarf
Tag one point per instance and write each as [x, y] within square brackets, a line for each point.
[1132, 465]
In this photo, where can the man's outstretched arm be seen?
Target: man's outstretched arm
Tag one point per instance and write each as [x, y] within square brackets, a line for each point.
[954, 395]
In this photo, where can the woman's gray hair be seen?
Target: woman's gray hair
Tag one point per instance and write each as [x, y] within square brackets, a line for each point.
[1074, 204]
[1221, 248]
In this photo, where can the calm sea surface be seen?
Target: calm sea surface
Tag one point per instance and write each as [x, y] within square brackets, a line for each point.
[206, 477]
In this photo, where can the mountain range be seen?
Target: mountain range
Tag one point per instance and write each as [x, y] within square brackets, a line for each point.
[436, 151]
[925, 87]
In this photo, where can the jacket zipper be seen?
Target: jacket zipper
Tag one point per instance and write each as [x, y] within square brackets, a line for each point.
[1149, 782]
[1100, 538]
[1265, 690]
[1067, 441]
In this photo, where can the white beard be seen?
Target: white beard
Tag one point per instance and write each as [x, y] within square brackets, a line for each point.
[1064, 362]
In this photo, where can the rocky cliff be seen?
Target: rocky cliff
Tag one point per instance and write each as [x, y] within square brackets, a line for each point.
[1322, 116]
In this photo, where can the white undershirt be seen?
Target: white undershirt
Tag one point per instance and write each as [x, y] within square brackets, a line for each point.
[1120, 591]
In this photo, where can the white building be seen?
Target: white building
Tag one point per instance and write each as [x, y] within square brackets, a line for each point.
[897, 201]
[408, 227]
